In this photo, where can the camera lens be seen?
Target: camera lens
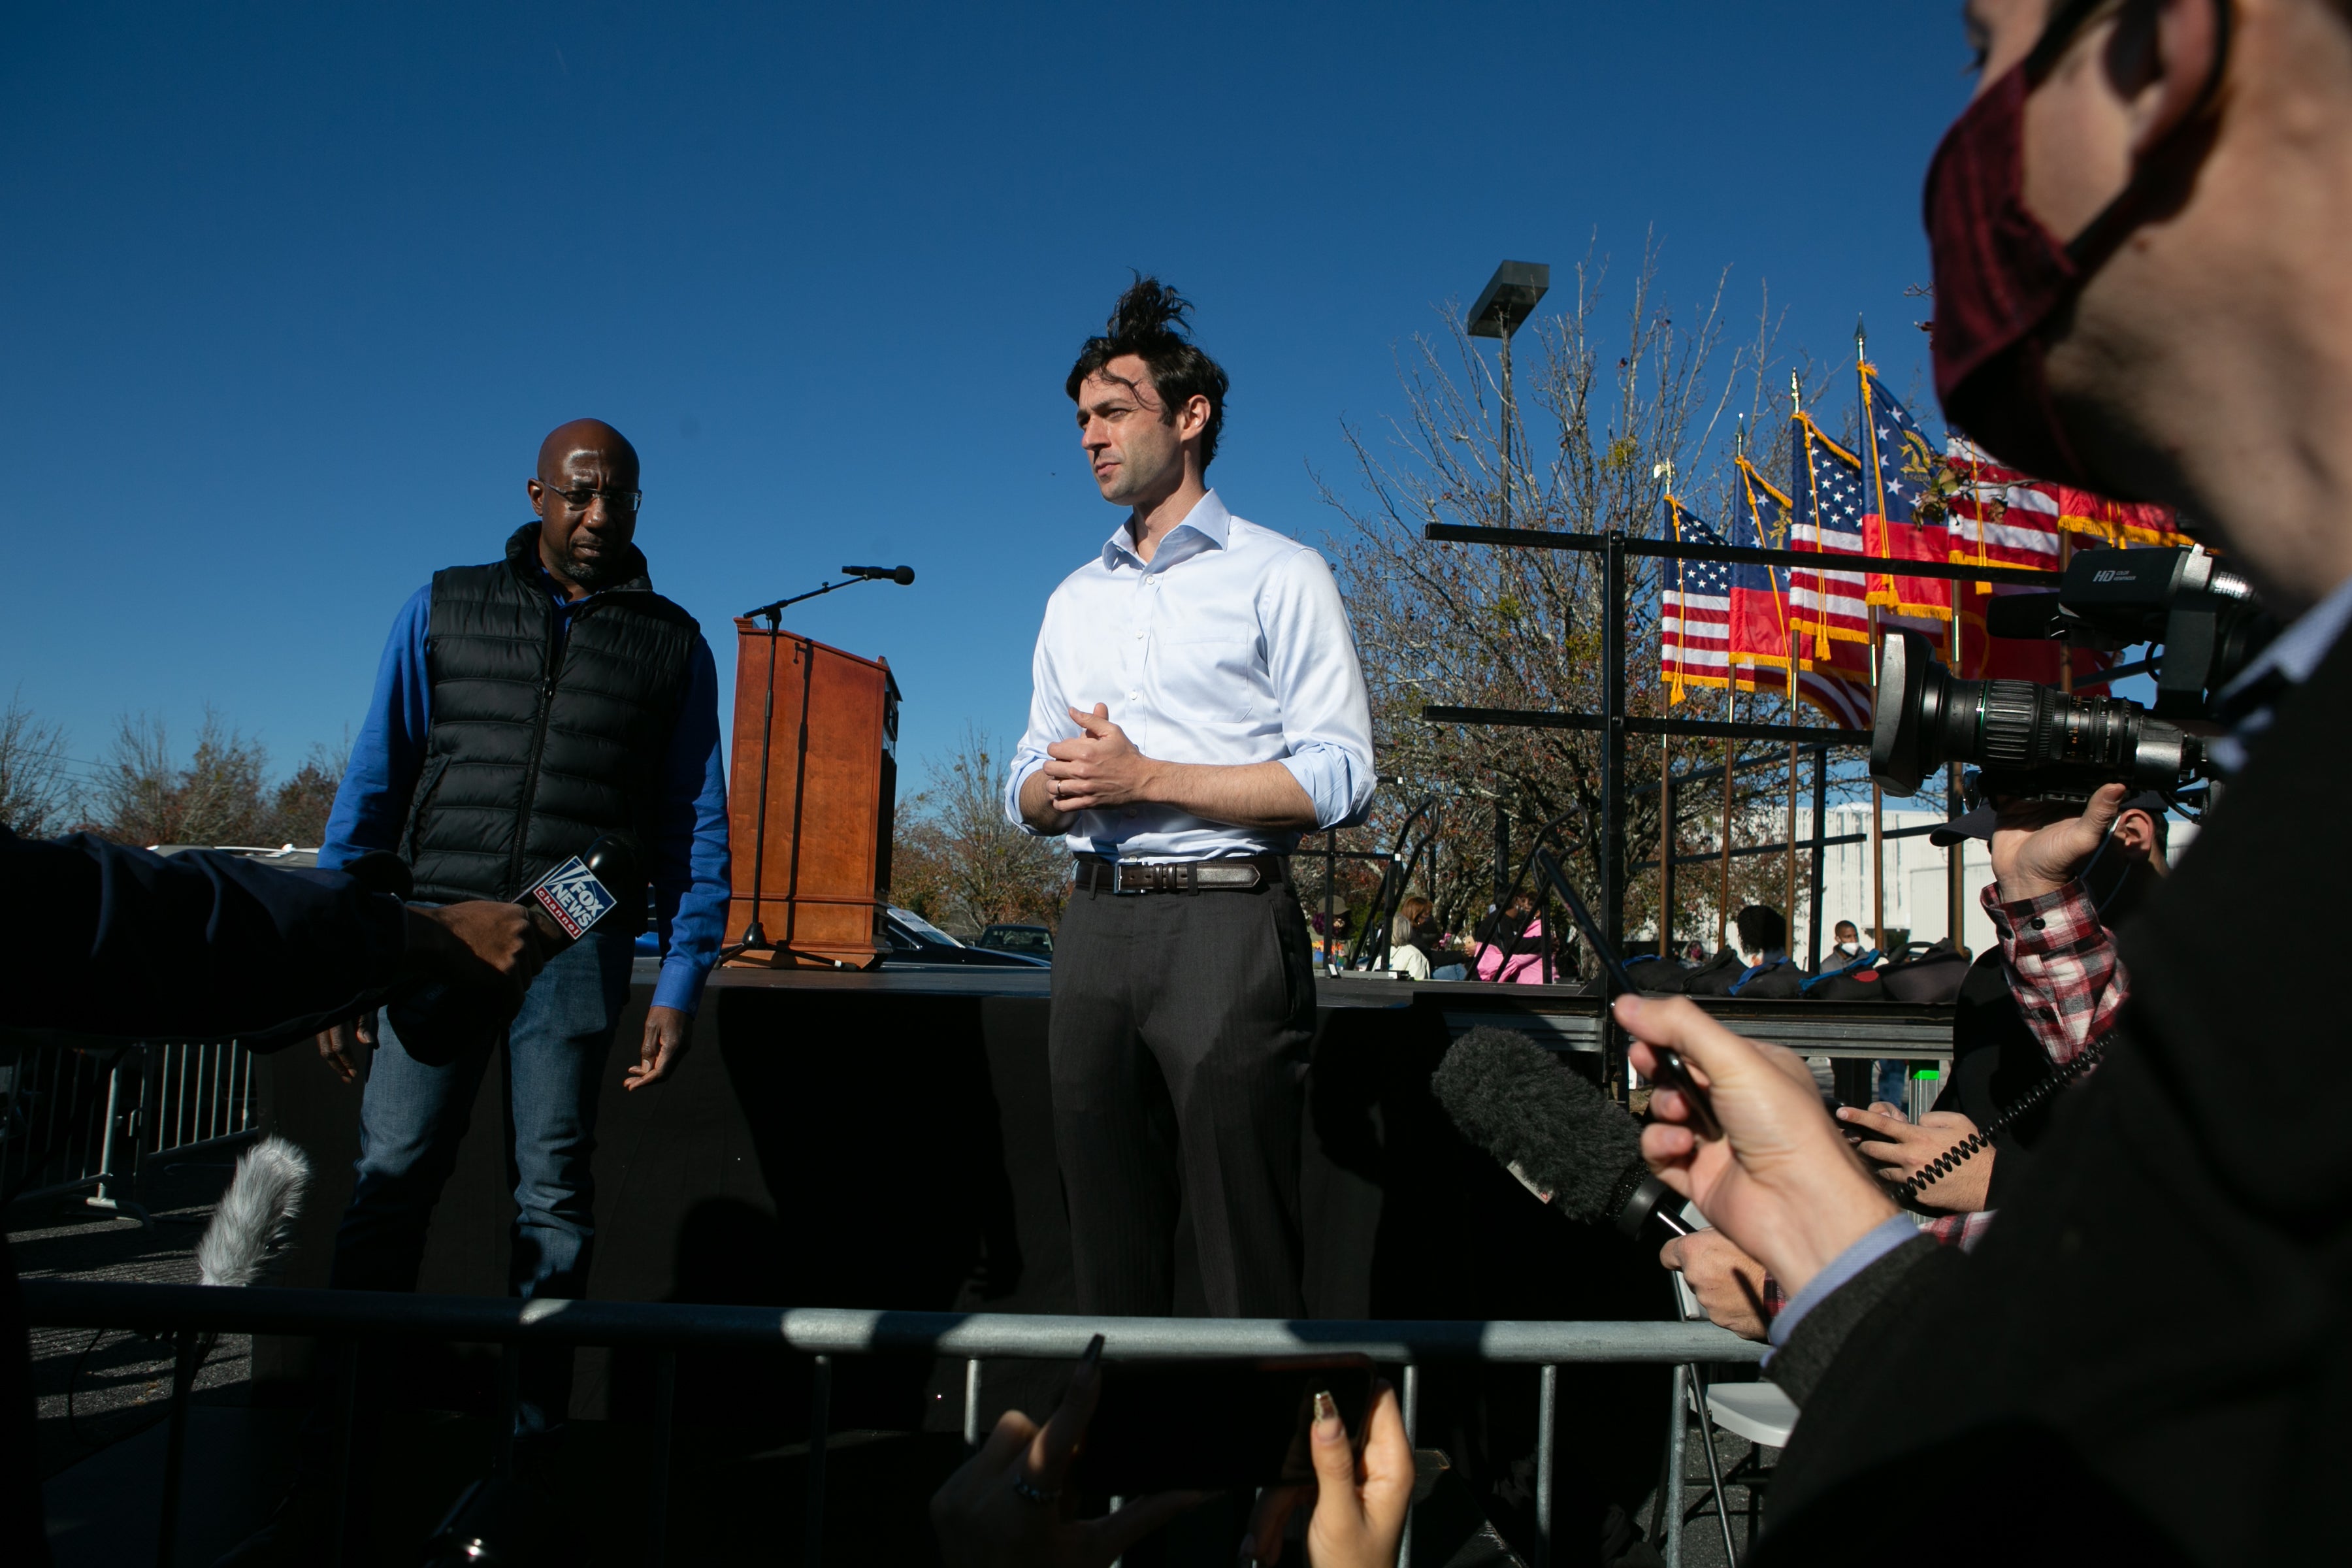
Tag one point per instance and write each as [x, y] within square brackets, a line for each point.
[2027, 739]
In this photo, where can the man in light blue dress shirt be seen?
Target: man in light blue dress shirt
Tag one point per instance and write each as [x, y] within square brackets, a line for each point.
[1198, 705]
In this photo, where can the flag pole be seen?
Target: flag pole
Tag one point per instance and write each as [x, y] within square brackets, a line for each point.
[1730, 715]
[1877, 796]
[1666, 767]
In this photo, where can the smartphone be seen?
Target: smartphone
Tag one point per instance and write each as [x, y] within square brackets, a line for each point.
[1671, 1073]
[1214, 1425]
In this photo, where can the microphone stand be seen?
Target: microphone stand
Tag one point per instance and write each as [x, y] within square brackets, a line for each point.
[755, 934]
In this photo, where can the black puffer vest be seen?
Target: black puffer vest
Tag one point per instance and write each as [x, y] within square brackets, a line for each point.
[540, 741]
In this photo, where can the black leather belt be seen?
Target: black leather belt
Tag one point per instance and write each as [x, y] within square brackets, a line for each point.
[1096, 874]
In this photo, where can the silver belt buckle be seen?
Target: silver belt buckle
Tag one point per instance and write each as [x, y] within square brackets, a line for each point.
[1118, 880]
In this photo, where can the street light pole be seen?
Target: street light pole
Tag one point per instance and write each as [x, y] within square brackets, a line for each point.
[1508, 300]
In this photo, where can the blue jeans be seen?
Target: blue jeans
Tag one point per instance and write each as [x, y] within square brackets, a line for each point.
[1893, 1083]
[412, 1117]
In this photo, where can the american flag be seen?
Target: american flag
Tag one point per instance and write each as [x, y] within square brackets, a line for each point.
[1827, 609]
[1903, 469]
[1825, 480]
[2005, 517]
[1760, 594]
[1695, 611]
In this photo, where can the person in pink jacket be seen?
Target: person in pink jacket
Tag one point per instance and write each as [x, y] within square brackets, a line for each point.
[1510, 949]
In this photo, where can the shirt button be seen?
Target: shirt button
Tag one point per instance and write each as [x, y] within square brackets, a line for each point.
[1135, 697]
[2038, 923]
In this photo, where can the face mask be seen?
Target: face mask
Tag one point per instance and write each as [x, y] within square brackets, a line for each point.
[2000, 276]
[1849, 948]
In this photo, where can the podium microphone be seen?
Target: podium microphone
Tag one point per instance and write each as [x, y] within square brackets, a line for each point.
[902, 575]
[1566, 1144]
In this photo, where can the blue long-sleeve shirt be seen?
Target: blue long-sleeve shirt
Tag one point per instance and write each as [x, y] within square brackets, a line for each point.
[690, 869]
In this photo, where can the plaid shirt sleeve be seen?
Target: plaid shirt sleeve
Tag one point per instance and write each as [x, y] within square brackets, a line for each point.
[2062, 967]
[1961, 1230]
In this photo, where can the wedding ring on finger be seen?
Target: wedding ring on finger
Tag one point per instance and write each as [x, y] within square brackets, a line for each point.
[1028, 1490]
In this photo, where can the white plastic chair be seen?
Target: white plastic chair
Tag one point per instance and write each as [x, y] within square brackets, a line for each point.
[1759, 1412]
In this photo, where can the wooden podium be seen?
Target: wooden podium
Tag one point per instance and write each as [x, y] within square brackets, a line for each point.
[817, 879]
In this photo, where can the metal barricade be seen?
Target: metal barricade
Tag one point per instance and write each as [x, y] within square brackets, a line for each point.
[824, 1333]
[91, 1116]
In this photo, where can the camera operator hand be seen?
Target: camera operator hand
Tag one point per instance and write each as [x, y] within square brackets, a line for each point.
[486, 947]
[2041, 845]
[1360, 1505]
[1005, 1507]
[1780, 1183]
[1899, 1150]
[1728, 1283]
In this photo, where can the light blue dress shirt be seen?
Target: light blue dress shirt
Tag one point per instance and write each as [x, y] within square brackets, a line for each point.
[1230, 646]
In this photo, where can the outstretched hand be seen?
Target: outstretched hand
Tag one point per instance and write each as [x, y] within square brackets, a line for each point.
[1006, 1506]
[1099, 769]
[1359, 1504]
[486, 947]
[2040, 846]
[1781, 1182]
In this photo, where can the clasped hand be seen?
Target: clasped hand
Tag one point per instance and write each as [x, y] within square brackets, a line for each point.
[1099, 769]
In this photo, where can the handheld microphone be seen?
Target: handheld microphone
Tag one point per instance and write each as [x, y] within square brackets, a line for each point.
[1564, 1141]
[902, 575]
[605, 883]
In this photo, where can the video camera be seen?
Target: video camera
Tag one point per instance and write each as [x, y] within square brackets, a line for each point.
[2036, 742]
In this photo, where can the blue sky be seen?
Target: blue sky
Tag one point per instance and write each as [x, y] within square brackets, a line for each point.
[290, 294]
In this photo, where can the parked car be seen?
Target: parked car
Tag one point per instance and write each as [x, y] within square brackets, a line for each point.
[1036, 942]
[915, 940]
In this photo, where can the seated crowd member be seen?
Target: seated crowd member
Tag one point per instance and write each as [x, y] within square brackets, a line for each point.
[1763, 934]
[1412, 939]
[1511, 945]
[2135, 232]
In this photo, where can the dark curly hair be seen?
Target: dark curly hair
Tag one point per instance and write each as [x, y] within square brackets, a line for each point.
[1150, 322]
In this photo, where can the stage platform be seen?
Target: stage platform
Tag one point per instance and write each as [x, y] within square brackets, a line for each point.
[1563, 1017]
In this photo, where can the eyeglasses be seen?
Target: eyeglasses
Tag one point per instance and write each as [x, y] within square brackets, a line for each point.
[581, 499]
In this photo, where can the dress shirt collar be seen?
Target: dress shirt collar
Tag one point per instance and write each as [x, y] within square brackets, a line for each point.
[2246, 702]
[2295, 652]
[1208, 519]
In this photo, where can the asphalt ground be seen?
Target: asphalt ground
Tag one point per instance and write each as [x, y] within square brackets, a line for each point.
[96, 1388]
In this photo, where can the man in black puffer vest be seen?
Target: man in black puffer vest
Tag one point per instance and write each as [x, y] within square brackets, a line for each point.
[523, 710]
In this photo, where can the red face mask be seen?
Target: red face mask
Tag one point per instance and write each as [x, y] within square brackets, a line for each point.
[2002, 276]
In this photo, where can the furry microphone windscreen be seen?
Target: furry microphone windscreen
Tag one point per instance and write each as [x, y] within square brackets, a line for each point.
[264, 1194]
[1561, 1135]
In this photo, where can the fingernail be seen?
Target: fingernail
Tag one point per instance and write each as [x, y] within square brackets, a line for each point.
[1326, 1413]
[1247, 1552]
[1093, 1354]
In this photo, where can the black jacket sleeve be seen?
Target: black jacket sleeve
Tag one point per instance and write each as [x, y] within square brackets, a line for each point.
[102, 939]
